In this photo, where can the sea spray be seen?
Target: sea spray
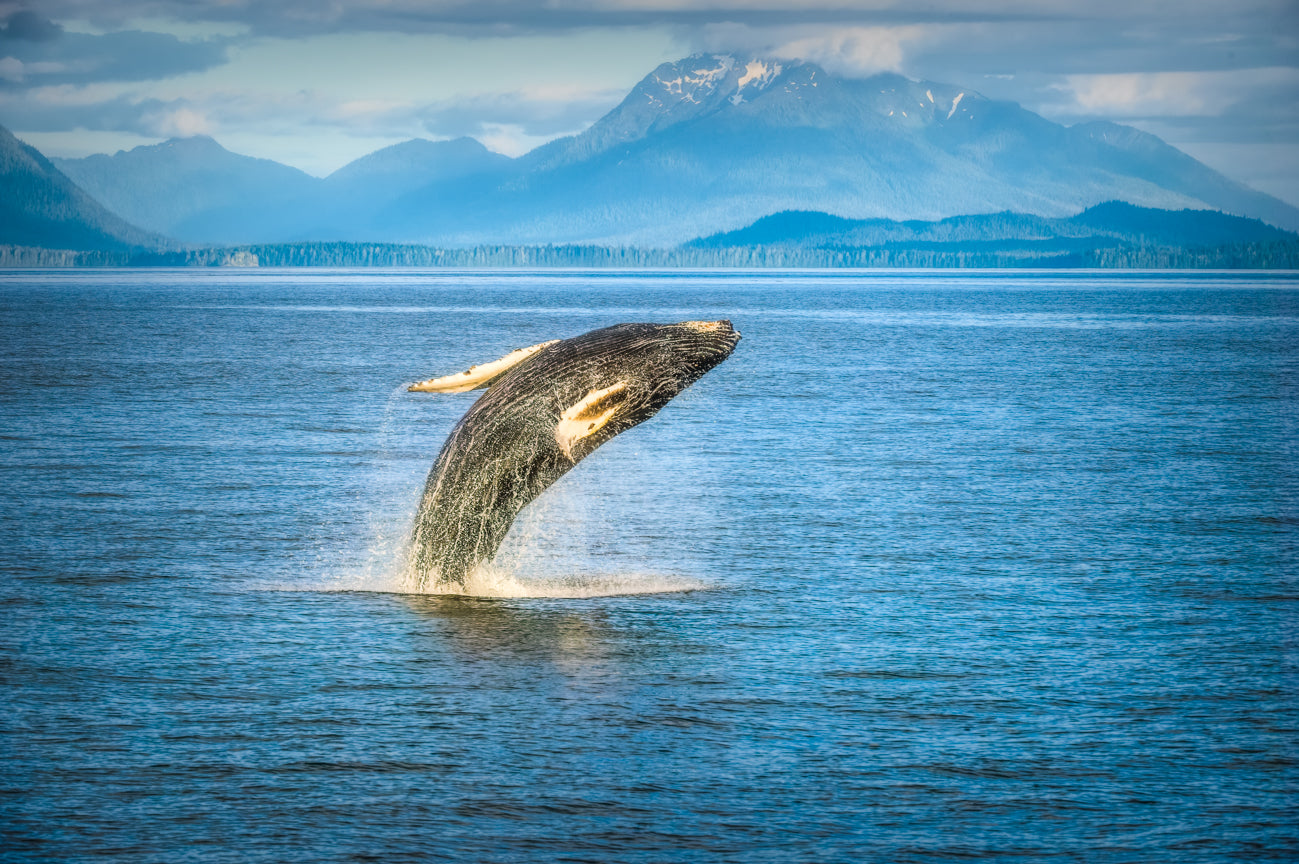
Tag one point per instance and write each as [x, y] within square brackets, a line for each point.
[548, 552]
[393, 480]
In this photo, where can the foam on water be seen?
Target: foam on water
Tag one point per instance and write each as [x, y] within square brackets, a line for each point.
[493, 582]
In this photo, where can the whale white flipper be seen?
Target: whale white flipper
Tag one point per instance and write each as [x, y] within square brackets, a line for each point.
[480, 376]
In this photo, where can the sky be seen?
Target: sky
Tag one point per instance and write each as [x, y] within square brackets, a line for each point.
[317, 83]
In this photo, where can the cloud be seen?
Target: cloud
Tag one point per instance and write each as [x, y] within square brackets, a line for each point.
[509, 139]
[56, 109]
[288, 18]
[82, 58]
[1184, 94]
[1142, 94]
[102, 109]
[1243, 105]
[850, 51]
[512, 119]
[180, 122]
[952, 40]
[30, 27]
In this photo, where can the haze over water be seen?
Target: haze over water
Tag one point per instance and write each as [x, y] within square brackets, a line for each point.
[937, 565]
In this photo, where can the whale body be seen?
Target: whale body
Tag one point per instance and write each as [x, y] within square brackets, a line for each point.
[546, 408]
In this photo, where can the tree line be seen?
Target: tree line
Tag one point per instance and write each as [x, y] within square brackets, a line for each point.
[1274, 255]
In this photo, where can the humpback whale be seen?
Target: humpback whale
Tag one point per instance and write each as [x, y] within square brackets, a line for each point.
[546, 408]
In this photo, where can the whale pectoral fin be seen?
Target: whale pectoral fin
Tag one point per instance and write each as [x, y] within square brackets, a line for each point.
[589, 415]
[480, 376]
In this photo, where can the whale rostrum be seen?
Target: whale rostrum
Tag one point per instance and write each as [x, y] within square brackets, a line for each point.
[546, 408]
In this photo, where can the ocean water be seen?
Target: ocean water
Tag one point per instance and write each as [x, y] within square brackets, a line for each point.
[938, 565]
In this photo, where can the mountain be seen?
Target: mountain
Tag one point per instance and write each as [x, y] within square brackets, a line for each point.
[1127, 151]
[702, 145]
[360, 190]
[713, 142]
[195, 190]
[417, 162]
[1112, 224]
[1110, 235]
[1186, 228]
[41, 207]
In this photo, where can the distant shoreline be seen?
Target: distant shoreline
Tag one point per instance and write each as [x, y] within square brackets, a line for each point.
[1264, 255]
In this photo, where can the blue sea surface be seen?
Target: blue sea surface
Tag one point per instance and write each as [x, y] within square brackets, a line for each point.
[938, 565]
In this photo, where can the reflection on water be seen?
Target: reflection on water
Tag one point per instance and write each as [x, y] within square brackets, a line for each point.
[485, 632]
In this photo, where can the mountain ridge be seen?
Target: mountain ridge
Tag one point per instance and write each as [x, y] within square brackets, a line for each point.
[1116, 222]
[704, 144]
[884, 146]
[42, 207]
[195, 190]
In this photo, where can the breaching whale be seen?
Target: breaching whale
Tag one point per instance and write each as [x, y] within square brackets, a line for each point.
[546, 408]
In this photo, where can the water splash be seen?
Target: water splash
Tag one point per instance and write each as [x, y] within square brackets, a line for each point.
[555, 549]
[558, 547]
[391, 478]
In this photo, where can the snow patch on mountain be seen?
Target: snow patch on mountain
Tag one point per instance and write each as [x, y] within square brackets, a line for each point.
[756, 70]
[687, 86]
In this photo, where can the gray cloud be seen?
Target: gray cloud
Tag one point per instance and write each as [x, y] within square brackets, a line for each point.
[1038, 66]
[1275, 20]
[35, 52]
[121, 114]
[1028, 45]
[1263, 114]
[1187, 45]
[500, 17]
[531, 115]
[959, 40]
[28, 26]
